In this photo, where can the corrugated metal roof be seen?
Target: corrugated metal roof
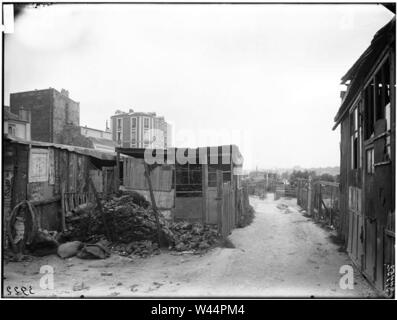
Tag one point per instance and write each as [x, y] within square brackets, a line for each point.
[108, 156]
[103, 141]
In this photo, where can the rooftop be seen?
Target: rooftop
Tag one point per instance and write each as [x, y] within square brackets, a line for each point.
[357, 74]
[107, 156]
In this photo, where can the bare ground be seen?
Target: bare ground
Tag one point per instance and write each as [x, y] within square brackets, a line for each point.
[281, 254]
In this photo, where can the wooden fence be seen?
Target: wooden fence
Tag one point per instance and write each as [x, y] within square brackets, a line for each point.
[233, 204]
[226, 215]
[285, 190]
[320, 199]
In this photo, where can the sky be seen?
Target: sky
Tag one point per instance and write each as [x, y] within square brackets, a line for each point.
[264, 77]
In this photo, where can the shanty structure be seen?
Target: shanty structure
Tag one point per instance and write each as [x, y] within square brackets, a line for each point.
[367, 168]
[189, 190]
[53, 178]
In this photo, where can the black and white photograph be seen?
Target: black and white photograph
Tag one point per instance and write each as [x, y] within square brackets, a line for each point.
[198, 150]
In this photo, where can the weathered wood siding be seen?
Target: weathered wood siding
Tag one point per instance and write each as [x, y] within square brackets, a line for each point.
[43, 175]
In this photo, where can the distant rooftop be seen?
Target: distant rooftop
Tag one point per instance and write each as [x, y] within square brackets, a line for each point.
[130, 112]
[63, 92]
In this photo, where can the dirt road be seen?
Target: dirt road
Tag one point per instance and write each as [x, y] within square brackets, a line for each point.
[281, 254]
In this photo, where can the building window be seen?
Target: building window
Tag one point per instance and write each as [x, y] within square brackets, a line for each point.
[11, 130]
[377, 99]
[355, 137]
[133, 122]
[146, 123]
[133, 138]
[133, 132]
[226, 170]
[119, 130]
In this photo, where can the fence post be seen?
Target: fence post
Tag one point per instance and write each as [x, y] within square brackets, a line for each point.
[298, 195]
[309, 196]
[219, 198]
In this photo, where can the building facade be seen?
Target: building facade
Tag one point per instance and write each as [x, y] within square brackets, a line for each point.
[52, 112]
[101, 140]
[367, 169]
[17, 125]
[140, 130]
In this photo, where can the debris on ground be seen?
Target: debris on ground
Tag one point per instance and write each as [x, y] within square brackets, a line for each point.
[133, 288]
[282, 206]
[142, 248]
[44, 243]
[69, 249]
[99, 250]
[193, 236]
[79, 286]
[133, 224]
[134, 229]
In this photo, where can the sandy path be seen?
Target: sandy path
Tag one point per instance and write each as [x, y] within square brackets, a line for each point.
[282, 254]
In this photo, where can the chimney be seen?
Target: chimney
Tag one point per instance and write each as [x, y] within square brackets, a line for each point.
[24, 114]
[65, 93]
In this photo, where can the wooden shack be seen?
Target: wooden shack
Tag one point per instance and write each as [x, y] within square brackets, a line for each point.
[53, 178]
[367, 169]
[189, 190]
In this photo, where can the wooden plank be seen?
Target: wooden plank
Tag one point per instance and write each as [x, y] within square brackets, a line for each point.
[45, 201]
[205, 217]
[154, 206]
[219, 198]
[51, 173]
[117, 180]
[99, 207]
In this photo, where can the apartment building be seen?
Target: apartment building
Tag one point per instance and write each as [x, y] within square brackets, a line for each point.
[16, 125]
[53, 114]
[100, 140]
[140, 130]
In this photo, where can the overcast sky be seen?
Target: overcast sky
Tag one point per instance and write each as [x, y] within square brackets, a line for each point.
[266, 77]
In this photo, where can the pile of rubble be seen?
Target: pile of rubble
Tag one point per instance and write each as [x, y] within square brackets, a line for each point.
[133, 228]
[196, 237]
[142, 248]
[132, 219]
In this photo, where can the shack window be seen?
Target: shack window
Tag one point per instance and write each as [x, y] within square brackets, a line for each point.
[189, 180]
[355, 137]
[370, 161]
[377, 99]
[226, 169]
